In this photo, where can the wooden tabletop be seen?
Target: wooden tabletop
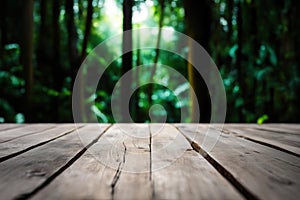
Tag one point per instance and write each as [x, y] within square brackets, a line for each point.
[149, 161]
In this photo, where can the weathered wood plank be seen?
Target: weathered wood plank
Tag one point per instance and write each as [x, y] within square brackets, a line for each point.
[107, 170]
[181, 173]
[19, 145]
[61, 169]
[279, 128]
[264, 172]
[285, 141]
[4, 127]
[135, 169]
[27, 173]
[87, 178]
[22, 131]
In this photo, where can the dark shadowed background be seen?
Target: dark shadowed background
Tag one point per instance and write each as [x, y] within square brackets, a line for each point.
[254, 44]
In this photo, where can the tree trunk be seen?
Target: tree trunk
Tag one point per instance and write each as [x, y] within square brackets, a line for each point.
[198, 19]
[72, 36]
[239, 58]
[127, 57]
[88, 26]
[41, 57]
[74, 56]
[26, 44]
[250, 104]
[57, 75]
[2, 30]
[229, 18]
[80, 9]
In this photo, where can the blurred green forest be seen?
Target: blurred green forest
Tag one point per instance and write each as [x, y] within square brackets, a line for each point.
[254, 44]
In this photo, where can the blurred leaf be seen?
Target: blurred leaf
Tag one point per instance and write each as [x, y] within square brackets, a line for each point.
[52, 92]
[66, 92]
[232, 50]
[273, 57]
[92, 98]
[20, 118]
[12, 46]
[239, 102]
[181, 88]
[262, 73]
[262, 119]
[236, 89]
[262, 54]
[99, 114]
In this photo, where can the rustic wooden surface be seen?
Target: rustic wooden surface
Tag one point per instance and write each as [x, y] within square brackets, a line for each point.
[149, 161]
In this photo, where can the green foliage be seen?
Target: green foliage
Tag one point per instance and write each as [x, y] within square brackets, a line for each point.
[262, 119]
[258, 60]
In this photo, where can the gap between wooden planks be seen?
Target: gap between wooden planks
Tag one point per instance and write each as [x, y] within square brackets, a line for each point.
[112, 178]
[179, 180]
[60, 169]
[258, 171]
[287, 141]
[23, 175]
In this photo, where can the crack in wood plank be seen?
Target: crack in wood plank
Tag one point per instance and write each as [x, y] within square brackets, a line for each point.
[115, 180]
[118, 172]
[125, 149]
[195, 146]
[150, 163]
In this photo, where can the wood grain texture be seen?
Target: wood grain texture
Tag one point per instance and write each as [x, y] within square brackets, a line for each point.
[267, 173]
[87, 178]
[4, 127]
[21, 175]
[181, 173]
[22, 143]
[279, 128]
[293, 127]
[107, 169]
[149, 161]
[270, 137]
[135, 169]
[22, 131]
